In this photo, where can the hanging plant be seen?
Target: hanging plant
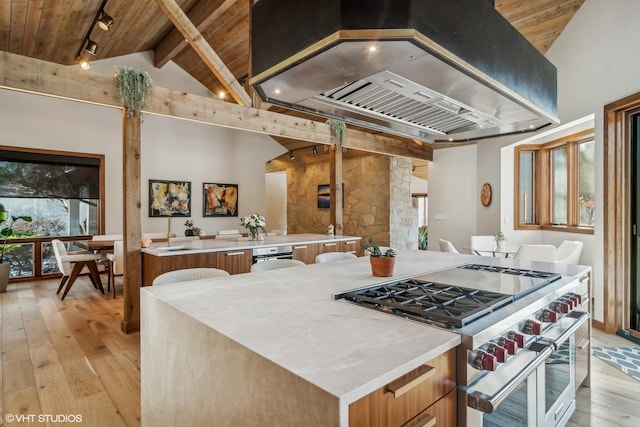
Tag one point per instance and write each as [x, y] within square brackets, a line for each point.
[135, 89]
[338, 131]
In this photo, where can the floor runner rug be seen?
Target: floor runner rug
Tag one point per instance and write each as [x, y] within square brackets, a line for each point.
[626, 359]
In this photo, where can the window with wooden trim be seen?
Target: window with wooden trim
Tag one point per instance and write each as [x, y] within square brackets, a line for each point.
[555, 185]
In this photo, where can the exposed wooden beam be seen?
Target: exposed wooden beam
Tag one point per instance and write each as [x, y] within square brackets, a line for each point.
[205, 51]
[70, 82]
[203, 14]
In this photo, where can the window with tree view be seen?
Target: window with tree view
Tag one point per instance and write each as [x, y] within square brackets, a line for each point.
[555, 184]
[61, 193]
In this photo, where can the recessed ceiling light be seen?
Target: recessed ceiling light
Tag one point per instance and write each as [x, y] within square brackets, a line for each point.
[276, 91]
[221, 94]
[372, 48]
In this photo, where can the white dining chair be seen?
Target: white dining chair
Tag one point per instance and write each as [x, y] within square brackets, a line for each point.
[187, 275]
[102, 237]
[334, 256]
[273, 264]
[569, 252]
[546, 253]
[483, 245]
[116, 264]
[447, 246]
[72, 265]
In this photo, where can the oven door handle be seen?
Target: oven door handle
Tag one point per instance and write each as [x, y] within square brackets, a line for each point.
[580, 318]
[487, 404]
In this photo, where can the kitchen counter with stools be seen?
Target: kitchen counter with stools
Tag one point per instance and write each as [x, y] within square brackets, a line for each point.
[237, 256]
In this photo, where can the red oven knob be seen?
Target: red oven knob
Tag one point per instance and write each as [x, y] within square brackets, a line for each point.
[508, 344]
[575, 299]
[562, 307]
[520, 339]
[484, 361]
[568, 301]
[578, 298]
[532, 327]
[549, 316]
[499, 352]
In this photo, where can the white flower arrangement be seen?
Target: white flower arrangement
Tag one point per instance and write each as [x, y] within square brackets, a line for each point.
[254, 223]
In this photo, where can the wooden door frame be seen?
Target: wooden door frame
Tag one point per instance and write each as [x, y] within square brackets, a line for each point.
[617, 205]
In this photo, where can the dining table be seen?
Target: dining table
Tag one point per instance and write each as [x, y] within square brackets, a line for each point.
[507, 252]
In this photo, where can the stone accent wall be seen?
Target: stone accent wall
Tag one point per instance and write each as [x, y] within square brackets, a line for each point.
[366, 197]
[403, 220]
[377, 199]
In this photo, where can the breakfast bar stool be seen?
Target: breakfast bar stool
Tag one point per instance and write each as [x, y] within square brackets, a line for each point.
[334, 256]
[188, 274]
[273, 264]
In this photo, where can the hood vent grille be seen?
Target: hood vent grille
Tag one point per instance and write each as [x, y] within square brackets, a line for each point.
[393, 98]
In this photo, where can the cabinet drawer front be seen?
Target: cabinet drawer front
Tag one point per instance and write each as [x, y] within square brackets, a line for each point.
[443, 413]
[407, 396]
[424, 387]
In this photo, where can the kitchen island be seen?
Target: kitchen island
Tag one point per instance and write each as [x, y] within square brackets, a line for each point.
[275, 348]
[235, 256]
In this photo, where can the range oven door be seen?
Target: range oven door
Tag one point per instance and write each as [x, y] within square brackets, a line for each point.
[535, 388]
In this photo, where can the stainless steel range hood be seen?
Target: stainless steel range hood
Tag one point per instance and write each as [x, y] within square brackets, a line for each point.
[434, 70]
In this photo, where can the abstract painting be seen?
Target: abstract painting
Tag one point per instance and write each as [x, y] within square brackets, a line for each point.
[169, 198]
[220, 199]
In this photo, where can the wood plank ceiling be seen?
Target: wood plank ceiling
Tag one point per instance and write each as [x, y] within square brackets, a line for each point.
[54, 30]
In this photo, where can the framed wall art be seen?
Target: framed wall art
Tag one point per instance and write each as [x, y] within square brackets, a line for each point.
[219, 199]
[169, 198]
[324, 196]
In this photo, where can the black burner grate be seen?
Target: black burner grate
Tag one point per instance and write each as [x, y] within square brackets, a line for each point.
[444, 305]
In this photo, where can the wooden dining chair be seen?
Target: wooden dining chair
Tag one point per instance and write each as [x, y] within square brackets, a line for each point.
[72, 265]
[116, 265]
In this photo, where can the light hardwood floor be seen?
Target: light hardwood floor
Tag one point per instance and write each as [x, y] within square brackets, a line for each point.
[70, 358]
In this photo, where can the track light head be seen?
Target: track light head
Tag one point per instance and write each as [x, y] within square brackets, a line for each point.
[291, 155]
[84, 63]
[314, 150]
[91, 47]
[105, 21]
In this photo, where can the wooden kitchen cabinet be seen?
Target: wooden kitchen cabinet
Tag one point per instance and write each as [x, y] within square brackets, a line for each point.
[153, 266]
[352, 246]
[305, 253]
[328, 247]
[423, 397]
[235, 262]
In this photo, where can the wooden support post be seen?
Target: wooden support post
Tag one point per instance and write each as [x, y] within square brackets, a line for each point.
[335, 182]
[132, 223]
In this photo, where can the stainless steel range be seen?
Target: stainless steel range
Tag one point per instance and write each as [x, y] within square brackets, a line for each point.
[517, 328]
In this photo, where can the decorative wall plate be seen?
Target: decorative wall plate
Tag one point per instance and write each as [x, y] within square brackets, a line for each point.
[485, 194]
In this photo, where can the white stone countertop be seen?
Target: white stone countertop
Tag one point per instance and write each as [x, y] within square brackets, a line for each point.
[289, 317]
[218, 245]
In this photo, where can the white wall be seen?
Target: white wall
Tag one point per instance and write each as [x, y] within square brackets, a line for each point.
[453, 195]
[171, 148]
[276, 201]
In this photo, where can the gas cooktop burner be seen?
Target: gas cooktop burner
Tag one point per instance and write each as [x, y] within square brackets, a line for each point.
[510, 270]
[429, 302]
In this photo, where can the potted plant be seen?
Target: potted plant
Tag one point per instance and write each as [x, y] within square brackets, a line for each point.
[254, 223]
[382, 261]
[500, 241]
[191, 229]
[5, 233]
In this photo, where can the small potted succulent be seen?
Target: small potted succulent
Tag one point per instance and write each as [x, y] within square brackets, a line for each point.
[382, 260]
[5, 233]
